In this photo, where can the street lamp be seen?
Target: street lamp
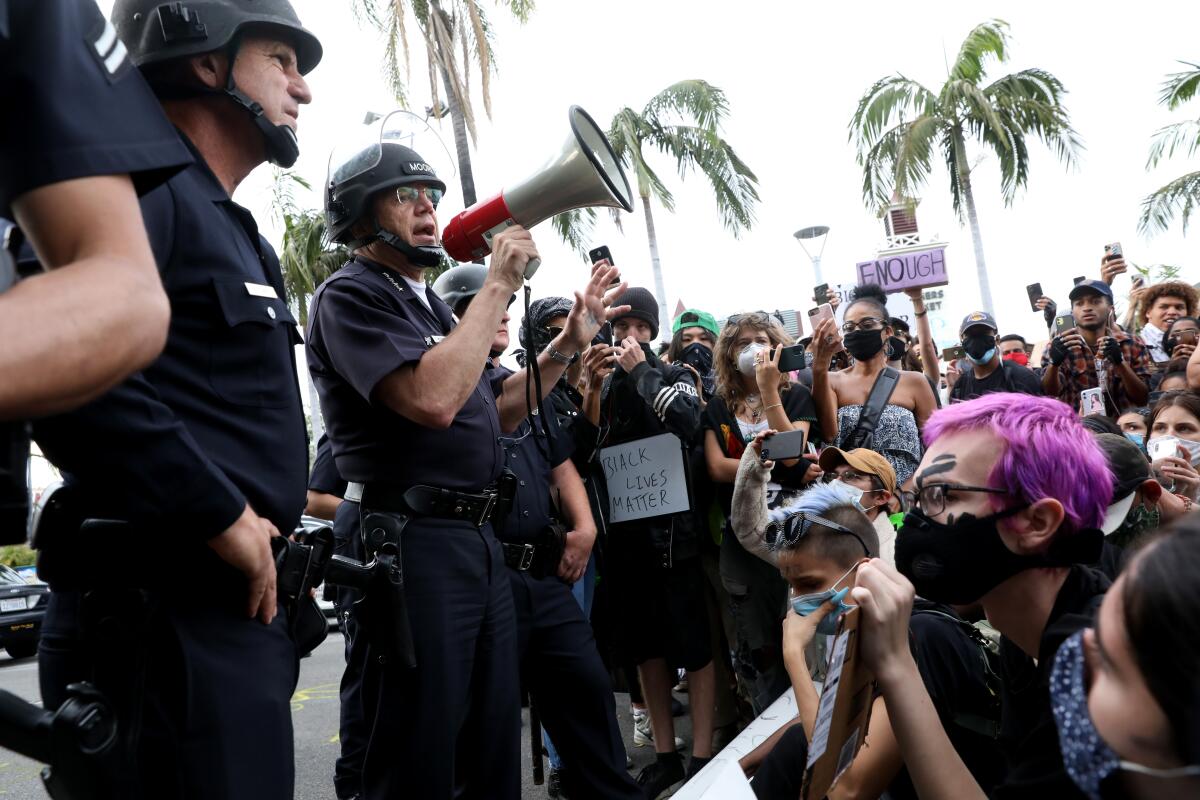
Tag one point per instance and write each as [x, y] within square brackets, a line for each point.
[814, 232]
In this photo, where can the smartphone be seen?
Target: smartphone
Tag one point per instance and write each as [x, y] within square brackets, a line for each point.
[1063, 323]
[952, 354]
[1162, 447]
[1034, 290]
[819, 314]
[789, 444]
[791, 358]
[604, 335]
[599, 253]
[821, 294]
[1091, 402]
[1113, 250]
[1080, 279]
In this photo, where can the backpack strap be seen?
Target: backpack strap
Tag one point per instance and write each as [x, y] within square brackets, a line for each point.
[868, 420]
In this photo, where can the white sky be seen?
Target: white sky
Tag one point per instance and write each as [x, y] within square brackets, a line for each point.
[793, 73]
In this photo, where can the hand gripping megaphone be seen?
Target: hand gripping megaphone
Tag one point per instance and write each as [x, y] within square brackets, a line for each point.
[586, 173]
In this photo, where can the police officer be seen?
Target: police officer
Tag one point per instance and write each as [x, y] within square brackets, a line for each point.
[415, 426]
[560, 665]
[199, 460]
[80, 123]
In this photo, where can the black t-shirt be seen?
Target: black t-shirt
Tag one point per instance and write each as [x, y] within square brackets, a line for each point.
[1028, 734]
[74, 104]
[1008, 377]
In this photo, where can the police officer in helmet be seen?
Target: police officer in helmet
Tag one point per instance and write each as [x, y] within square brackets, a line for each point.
[194, 464]
[414, 423]
[567, 680]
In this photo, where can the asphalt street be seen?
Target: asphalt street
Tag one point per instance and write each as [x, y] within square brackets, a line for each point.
[315, 713]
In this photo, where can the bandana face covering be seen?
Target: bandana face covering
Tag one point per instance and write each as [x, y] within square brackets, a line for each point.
[697, 356]
[1018, 357]
[1086, 757]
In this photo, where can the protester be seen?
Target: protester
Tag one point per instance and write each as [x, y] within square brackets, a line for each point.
[995, 518]
[1133, 422]
[1014, 348]
[870, 473]
[1071, 362]
[1159, 306]
[846, 417]
[924, 355]
[1177, 415]
[989, 371]
[753, 396]
[693, 337]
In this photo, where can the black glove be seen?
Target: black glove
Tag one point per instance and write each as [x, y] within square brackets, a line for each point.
[1112, 351]
[1058, 351]
[1049, 312]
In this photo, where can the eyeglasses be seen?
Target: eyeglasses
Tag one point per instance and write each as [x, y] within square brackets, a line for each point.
[931, 499]
[864, 324]
[785, 534]
[757, 317]
[851, 475]
[409, 194]
[553, 330]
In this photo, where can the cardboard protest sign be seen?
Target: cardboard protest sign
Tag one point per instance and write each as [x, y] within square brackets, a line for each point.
[646, 478]
[901, 271]
[843, 713]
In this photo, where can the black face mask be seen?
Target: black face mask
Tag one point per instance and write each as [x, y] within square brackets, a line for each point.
[978, 346]
[697, 356]
[863, 345]
[961, 562]
[896, 348]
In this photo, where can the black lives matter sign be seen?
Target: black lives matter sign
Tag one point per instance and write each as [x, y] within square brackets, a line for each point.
[646, 478]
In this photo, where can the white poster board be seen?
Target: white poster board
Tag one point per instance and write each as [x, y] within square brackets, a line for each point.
[646, 478]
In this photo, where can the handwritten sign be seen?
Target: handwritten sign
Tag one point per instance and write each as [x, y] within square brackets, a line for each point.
[646, 478]
[902, 271]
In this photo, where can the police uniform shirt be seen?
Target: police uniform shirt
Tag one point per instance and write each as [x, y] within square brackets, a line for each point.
[365, 324]
[324, 477]
[216, 421]
[532, 455]
[74, 104]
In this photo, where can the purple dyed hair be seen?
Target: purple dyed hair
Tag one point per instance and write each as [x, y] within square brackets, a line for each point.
[1046, 453]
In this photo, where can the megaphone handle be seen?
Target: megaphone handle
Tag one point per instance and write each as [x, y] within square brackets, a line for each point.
[532, 266]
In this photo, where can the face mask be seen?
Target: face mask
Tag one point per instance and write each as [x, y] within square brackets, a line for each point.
[1086, 757]
[1193, 448]
[863, 345]
[1137, 439]
[896, 348]
[697, 356]
[1018, 357]
[980, 349]
[961, 562]
[806, 604]
[746, 357]
[1136, 524]
[857, 494]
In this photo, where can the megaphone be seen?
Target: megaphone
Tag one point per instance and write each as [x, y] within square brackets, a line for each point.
[586, 173]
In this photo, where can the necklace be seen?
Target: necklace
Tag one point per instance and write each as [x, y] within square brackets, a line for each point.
[754, 406]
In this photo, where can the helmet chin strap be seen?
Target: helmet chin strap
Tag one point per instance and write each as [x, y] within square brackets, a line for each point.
[281, 144]
[423, 256]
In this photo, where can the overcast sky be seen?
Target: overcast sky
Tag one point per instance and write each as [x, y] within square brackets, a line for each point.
[793, 73]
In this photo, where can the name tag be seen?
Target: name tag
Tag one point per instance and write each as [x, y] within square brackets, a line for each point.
[261, 290]
[430, 341]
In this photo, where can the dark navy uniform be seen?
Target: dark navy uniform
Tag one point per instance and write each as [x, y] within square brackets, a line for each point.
[75, 106]
[176, 452]
[560, 664]
[454, 719]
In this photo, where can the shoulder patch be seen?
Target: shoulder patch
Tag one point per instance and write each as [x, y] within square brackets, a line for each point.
[106, 47]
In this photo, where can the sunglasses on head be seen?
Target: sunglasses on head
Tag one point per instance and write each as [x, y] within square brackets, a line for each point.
[785, 534]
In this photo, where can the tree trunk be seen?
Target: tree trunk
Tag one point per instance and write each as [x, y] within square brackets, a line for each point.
[466, 175]
[664, 322]
[964, 184]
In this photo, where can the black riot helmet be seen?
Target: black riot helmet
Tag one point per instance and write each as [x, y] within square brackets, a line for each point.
[353, 184]
[460, 284]
[155, 33]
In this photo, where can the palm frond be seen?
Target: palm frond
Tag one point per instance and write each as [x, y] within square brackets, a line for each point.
[521, 9]
[900, 160]
[703, 149]
[575, 228]
[1180, 86]
[483, 50]
[889, 100]
[627, 133]
[1008, 144]
[1031, 101]
[954, 160]
[990, 39]
[1179, 197]
[690, 100]
[1184, 136]
[395, 52]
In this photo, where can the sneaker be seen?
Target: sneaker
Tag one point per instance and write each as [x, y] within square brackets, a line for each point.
[554, 784]
[643, 736]
[681, 685]
[665, 772]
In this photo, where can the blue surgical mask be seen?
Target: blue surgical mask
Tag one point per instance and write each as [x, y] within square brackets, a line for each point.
[1086, 757]
[806, 604]
[1138, 439]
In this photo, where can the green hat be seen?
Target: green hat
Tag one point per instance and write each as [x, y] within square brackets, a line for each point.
[691, 318]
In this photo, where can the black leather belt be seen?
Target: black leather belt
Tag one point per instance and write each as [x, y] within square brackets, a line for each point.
[427, 501]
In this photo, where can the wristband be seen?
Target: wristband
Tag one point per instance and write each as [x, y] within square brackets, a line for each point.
[561, 358]
[773, 405]
[920, 313]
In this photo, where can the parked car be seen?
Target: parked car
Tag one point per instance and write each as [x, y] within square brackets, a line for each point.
[22, 606]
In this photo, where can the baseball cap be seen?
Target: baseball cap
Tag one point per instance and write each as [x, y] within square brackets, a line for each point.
[692, 318]
[1099, 287]
[978, 318]
[863, 460]
[1130, 469]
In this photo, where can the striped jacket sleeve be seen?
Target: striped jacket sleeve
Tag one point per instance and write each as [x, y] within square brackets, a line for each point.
[671, 395]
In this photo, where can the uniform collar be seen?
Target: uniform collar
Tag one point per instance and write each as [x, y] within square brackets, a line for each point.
[439, 308]
[207, 184]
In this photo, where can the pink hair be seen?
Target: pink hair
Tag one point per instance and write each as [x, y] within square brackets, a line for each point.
[1046, 453]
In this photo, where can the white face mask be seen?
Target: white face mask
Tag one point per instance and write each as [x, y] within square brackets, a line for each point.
[746, 357]
[1193, 448]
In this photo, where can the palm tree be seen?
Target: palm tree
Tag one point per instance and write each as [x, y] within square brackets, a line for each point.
[454, 33]
[306, 257]
[1181, 195]
[682, 121]
[899, 124]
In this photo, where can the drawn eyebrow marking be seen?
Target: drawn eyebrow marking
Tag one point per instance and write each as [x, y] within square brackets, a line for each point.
[940, 465]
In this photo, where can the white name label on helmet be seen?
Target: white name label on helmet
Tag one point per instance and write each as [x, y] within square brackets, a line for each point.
[419, 166]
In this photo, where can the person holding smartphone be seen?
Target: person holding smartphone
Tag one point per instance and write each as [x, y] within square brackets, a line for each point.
[1095, 353]
[1157, 308]
[989, 372]
[753, 396]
